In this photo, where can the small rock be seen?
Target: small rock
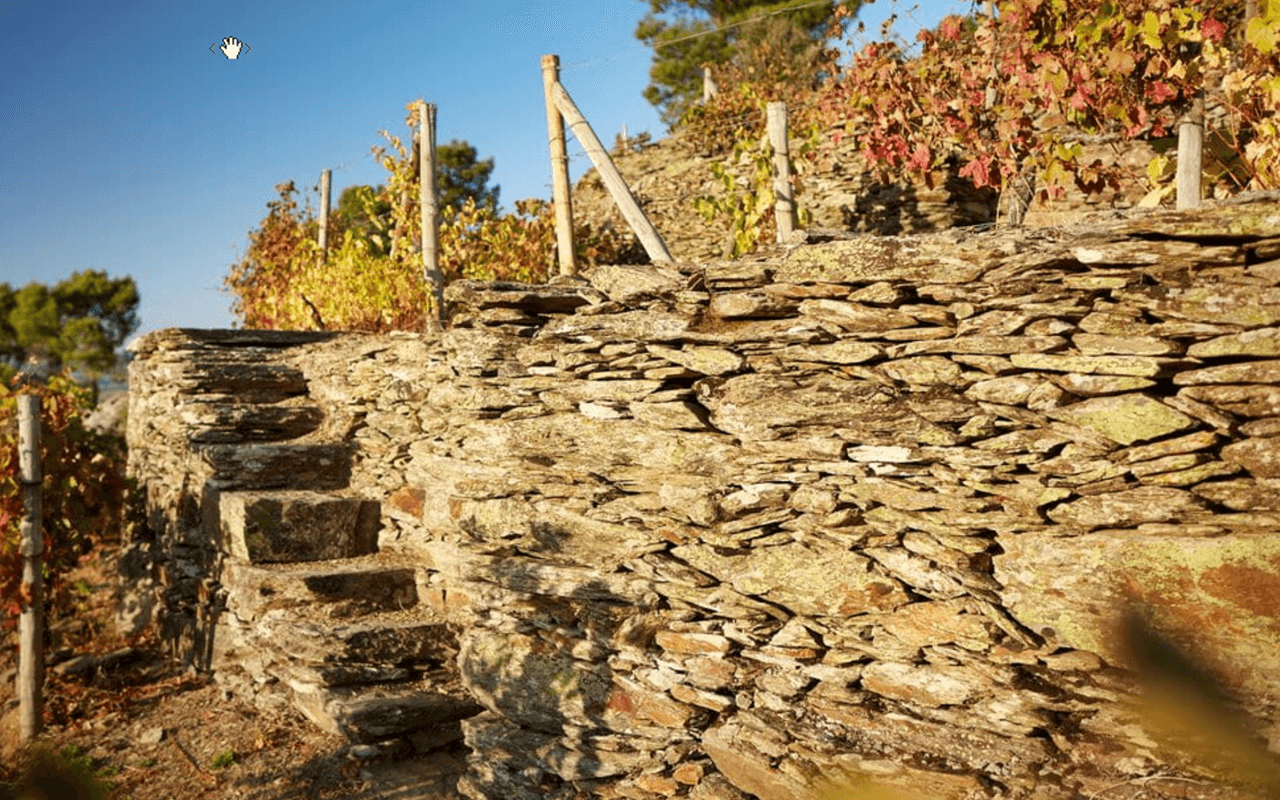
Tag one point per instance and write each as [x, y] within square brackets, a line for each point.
[364, 751]
[151, 736]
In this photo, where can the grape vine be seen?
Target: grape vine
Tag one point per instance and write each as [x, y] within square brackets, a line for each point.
[84, 488]
[1011, 98]
[283, 283]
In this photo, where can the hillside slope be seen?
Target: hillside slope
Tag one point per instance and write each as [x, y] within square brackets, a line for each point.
[837, 188]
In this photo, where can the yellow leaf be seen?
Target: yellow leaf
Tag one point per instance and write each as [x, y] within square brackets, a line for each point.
[1262, 33]
[1153, 197]
[1151, 30]
[1156, 168]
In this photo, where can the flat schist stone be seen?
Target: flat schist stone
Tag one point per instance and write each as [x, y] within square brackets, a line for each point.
[1250, 216]
[1126, 418]
[371, 714]
[412, 637]
[873, 259]
[241, 422]
[1218, 597]
[214, 338]
[371, 582]
[295, 525]
[245, 377]
[278, 466]
[538, 298]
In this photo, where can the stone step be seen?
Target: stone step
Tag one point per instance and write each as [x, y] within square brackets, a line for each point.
[242, 377]
[277, 466]
[253, 650]
[292, 525]
[412, 638]
[377, 582]
[246, 657]
[248, 422]
[431, 707]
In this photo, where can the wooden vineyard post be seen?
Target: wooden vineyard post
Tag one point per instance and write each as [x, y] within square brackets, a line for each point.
[561, 198]
[1190, 155]
[631, 211]
[326, 181]
[784, 208]
[427, 194]
[989, 96]
[31, 593]
[709, 86]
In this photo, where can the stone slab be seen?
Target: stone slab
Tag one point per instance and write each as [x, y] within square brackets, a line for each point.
[293, 525]
[367, 583]
[372, 714]
[1217, 597]
[875, 259]
[820, 582]
[278, 466]
[408, 638]
[1126, 418]
[247, 422]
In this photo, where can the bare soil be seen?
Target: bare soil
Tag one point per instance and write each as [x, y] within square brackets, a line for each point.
[146, 728]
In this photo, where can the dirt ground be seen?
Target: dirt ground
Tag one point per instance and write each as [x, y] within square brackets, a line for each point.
[147, 729]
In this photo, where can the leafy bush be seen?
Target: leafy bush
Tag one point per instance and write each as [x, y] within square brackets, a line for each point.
[282, 283]
[84, 487]
[1010, 96]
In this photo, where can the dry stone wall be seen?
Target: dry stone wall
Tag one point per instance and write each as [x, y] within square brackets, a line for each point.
[860, 504]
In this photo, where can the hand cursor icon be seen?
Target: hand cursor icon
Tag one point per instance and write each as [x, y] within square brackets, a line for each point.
[231, 47]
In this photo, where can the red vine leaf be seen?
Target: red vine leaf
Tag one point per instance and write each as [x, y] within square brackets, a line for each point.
[978, 170]
[1213, 30]
[920, 159]
[1159, 92]
[950, 28]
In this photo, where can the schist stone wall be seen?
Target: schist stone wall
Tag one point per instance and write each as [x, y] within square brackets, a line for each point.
[868, 505]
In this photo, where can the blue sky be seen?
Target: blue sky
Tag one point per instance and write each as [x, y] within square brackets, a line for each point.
[127, 145]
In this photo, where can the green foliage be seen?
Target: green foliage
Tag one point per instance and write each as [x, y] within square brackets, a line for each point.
[463, 178]
[776, 41]
[750, 210]
[224, 759]
[81, 322]
[365, 213]
[355, 290]
[84, 489]
[675, 77]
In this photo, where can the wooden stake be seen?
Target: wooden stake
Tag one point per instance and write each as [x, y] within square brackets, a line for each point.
[427, 195]
[560, 195]
[784, 208]
[709, 86]
[631, 211]
[989, 96]
[326, 179]
[31, 592]
[1190, 156]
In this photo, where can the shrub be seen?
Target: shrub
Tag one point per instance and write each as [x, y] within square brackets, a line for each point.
[84, 487]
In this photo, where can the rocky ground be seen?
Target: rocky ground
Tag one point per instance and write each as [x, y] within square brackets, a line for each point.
[144, 728]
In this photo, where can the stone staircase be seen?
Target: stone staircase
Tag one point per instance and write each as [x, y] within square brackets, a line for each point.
[312, 614]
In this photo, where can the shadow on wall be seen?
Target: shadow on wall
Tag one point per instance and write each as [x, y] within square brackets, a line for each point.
[891, 209]
[555, 707]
